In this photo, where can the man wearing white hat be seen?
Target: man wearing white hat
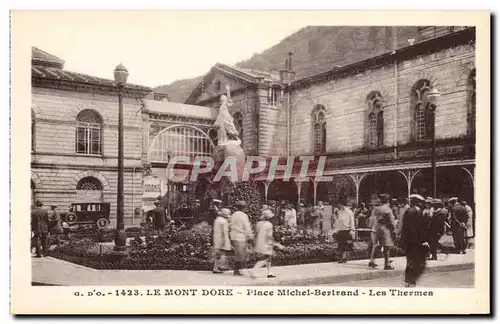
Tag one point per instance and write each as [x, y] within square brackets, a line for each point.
[415, 240]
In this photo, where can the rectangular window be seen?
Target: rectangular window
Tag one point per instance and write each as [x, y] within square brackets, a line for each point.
[88, 139]
[274, 97]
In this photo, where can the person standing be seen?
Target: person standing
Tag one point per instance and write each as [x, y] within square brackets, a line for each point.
[55, 224]
[40, 229]
[458, 225]
[404, 206]
[159, 217]
[221, 242]
[436, 226]
[469, 233]
[414, 240]
[264, 243]
[384, 227]
[344, 227]
[240, 232]
[301, 218]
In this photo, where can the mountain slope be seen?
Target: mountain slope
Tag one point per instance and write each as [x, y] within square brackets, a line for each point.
[315, 49]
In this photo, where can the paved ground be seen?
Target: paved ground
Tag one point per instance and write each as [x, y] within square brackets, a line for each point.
[446, 279]
[57, 272]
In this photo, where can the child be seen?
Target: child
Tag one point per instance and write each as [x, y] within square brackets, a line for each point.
[264, 243]
[222, 244]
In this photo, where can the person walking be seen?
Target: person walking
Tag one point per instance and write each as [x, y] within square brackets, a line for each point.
[383, 229]
[264, 243]
[344, 228]
[240, 232]
[414, 240]
[40, 229]
[221, 241]
[458, 225]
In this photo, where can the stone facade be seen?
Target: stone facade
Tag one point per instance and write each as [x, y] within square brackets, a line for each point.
[345, 100]
[57, 167]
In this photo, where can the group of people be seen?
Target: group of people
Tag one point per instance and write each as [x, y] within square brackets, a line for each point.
[420, 226]
[233, 232]
[44, 224]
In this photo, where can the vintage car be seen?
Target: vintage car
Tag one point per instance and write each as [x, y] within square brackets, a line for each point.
[88, 214]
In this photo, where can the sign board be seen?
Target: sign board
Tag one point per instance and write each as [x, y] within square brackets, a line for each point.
[152, 187]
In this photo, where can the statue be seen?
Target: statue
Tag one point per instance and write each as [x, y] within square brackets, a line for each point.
[226, 132]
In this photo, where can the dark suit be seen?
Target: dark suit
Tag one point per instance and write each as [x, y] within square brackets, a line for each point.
[436, 229]
[413, 234]
[40, 228]
[159, 217]
[459, 217]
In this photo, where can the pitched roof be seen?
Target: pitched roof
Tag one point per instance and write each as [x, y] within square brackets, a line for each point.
[56, 74]
[39, 57]
[47, 67]
[250, 76]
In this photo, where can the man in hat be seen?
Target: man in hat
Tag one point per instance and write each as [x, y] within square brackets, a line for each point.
[55, 224]
[159, 217]
[469, 233]
[458, 225]
[40, 228]
[221, 241]
[436, 226]
[301, 218]
[240, 232]
[414, 240]
[383, 228]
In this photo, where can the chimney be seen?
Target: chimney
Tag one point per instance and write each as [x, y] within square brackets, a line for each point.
[411, 41]
[287, 75]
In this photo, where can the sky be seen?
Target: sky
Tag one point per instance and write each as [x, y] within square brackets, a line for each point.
[157, 47]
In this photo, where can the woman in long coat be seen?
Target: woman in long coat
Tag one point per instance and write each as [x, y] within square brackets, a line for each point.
[222, 244]
[264, 243]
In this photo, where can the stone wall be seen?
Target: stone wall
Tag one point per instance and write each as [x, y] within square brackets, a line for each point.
[272, 126]
[56, 168]
[346, 106]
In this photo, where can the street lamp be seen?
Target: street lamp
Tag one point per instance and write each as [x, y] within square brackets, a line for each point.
[121, 75]
[433, 97]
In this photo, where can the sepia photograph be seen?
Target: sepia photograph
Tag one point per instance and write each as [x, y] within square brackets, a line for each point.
[202, 158]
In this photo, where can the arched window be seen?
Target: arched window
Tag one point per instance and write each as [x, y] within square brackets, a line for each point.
[471, 91]
[89, 189]
[217, 85]
[422, 118]
[88, 132]
[238, 124]
[89, 183]
[319, 128]
[375, 127]
[33, 130]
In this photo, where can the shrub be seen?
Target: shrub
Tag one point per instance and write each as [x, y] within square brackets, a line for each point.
[249, 192]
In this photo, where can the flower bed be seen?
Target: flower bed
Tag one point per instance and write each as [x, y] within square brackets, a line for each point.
[181, 249]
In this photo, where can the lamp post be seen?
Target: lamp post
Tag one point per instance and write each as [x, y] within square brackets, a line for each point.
[432, 97]
[121, 75]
